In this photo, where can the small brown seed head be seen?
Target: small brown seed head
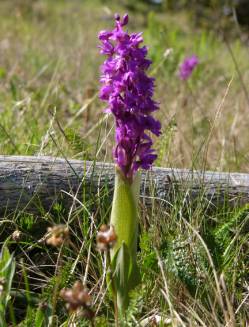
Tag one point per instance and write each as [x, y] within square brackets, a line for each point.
[57, 235]
[16, 235]
[78, 299]
[106, 237]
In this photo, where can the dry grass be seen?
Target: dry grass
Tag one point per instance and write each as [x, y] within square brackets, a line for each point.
[49, 61]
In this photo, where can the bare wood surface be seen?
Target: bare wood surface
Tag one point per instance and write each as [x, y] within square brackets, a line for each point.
[31, 182]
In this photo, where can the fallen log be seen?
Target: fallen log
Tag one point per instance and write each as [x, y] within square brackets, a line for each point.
[28, 183]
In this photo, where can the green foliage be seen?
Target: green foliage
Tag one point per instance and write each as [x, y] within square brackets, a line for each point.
[78, 145]
[162, 36]
[26, 221]
[165, 142]
[231, 239]
[124, 219]
[38, 317]
[225, 233]
[125, 276]
[186, 260]
[42, 316]
[148, 259]
[7, 270]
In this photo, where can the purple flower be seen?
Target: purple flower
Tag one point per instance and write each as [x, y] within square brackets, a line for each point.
[187, 67]
[128, 91]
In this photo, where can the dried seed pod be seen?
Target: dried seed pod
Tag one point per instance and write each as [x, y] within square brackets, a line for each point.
[16, 235]
[78, 300]
[57, 235]
[106, 237]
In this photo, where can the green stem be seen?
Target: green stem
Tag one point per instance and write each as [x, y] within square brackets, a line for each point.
[124, 215]
[124, 218]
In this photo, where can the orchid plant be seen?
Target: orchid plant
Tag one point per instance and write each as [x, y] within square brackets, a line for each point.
[187, 67]
[128, 92]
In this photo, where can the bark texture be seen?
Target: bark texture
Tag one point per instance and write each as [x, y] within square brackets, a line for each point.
[32, 183]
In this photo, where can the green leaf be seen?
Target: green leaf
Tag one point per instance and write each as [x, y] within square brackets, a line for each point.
[134, 276]
[126, 275]
[43, 315]
[39, 318]
[124, 218]
[7, 270]
[121, 266]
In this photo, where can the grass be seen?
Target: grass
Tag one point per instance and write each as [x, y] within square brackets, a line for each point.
[194, 261]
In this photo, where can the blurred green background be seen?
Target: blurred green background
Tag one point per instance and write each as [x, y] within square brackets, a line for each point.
[49, 73]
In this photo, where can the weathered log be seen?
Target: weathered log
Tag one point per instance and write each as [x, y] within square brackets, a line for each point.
[27, 183]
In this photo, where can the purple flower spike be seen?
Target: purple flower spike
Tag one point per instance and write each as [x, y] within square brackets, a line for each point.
[128, 91]
[187, 67]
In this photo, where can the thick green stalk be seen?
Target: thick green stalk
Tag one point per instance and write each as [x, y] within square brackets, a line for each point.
[124, 218]
[124, 215]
